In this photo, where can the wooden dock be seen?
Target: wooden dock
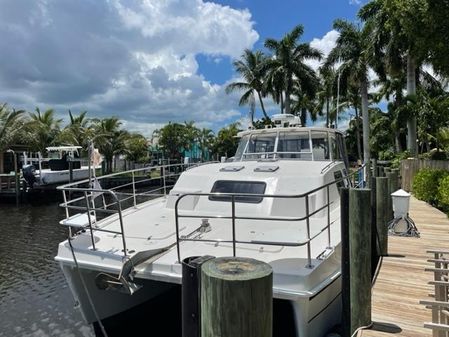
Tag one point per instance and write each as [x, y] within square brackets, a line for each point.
[402, 283]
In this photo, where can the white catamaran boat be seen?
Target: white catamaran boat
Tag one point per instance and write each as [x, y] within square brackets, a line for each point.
[54, 169]
[277, 201]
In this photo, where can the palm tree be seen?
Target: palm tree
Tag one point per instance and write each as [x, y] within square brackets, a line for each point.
[205, 139]
[326, 92]
[191, 136]
[250, 68]
[396, 29]
[78, 131]
[109, 139]
[350, 51]
[10, 126]
[46, 128]
[288, 65]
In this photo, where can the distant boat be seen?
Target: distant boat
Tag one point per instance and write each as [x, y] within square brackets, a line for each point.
[58, 170]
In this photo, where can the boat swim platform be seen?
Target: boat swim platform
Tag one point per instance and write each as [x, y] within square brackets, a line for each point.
[402, 281]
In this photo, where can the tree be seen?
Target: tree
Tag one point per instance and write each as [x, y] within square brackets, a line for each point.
[226, 141]
[250, 67]
[350, 51]
[109, 139]
[287, 65]
[191, 136]
[205, 140]
[136, 148]
[397, 27]
[78, 131]
[46, 129]
[173, 140]
[10, 126]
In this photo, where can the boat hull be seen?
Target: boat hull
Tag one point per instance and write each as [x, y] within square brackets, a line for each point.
[312, 316]
[95, 303]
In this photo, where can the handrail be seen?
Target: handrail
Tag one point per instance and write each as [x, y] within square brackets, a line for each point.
[234, 217]
[89, 193]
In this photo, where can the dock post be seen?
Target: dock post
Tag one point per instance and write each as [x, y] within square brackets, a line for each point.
[392, 187]
[191, 273]
[360, 257]
[382, 215]
[345, 277]
[375, 173]
[236, 298]
[374, 252]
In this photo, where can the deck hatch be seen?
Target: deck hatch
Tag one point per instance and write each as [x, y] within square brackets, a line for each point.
[238, 187]
[266, 168]
[232, 168]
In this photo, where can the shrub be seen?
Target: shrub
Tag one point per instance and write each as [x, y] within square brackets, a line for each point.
[443, 194]
[426, 183]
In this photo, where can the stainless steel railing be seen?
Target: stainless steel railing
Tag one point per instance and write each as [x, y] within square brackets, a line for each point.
[81, 196]
[233, 217]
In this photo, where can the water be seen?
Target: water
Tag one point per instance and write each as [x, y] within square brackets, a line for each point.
[35, 300]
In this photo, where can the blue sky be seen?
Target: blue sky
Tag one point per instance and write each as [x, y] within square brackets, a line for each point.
[146, 62]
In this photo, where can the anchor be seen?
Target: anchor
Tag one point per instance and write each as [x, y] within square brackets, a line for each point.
[124, 282]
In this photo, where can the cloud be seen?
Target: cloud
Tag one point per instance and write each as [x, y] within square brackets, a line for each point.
[132, 59]
[325, 45]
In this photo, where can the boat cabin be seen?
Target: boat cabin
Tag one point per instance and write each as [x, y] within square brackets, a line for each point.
[58, 157]
[299, 143]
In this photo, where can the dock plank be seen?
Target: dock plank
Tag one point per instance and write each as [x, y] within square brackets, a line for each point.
[402, 281]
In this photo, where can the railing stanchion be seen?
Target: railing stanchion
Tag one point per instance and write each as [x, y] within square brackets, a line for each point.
[163, 178]
[233, 225]
[177, 230]
[328, 218]
[89, 219]
[134, 189]
[119, 206]
[309, 252]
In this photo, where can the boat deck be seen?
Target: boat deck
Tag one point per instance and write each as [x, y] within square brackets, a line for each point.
[402, 281]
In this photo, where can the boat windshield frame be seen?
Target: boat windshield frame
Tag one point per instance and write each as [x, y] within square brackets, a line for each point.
[297, 144]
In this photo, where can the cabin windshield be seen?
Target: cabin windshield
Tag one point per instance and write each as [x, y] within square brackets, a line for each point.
[317, 145]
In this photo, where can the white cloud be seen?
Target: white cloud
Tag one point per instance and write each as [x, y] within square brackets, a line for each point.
[132, 59]
[325, 45]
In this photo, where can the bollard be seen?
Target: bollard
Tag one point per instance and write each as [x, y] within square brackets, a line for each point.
[236, 298]
[382, 215]
[360, 257]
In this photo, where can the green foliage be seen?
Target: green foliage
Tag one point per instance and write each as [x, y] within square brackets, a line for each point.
[443, 194]
[426, 184]
[396, 161]
[136, 148]
[173, 140]
[226, 142]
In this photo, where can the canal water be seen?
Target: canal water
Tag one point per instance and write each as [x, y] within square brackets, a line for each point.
[35, 300]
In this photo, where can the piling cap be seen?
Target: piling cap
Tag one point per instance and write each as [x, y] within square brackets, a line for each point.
[400, 193]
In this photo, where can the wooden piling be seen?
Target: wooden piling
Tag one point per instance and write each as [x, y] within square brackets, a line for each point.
[236, 298]
[392, 187]
[394, 181]
[374, 251]
[375, 171]
[382, 215]
[345, 271]
[360, 257]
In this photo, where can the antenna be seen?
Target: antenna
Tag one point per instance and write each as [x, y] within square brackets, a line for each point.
[338, 98]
